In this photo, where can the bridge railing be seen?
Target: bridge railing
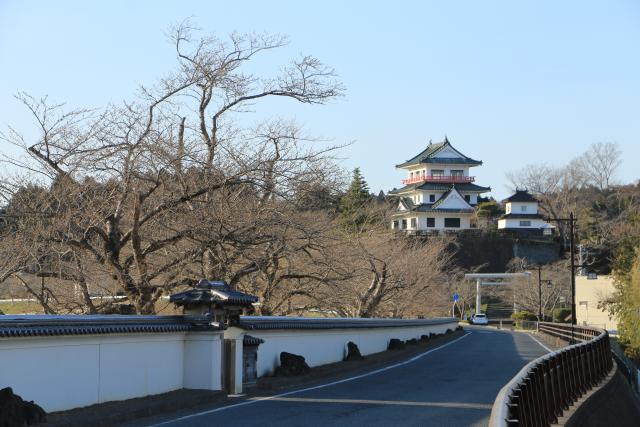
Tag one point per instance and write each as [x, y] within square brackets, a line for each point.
[568, 332]
[550, 384]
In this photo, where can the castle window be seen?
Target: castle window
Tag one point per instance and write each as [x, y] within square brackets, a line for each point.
[523, 208]
[457, 172]
[467, 198]
[525, 223]
[404, 224]
[414, 223]
[437, 172]
[452, 222]
[394, 225]
[431, 222]
[432, 198]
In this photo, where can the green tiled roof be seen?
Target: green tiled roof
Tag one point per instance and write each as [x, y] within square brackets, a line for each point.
[438, 186]
[521, 216]
[426, 156]
[521, 196]
[428, 207]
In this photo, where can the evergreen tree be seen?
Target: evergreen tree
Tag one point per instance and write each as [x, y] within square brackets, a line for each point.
[626, 306]
[354, 203]
[488, 210]
[317, 197]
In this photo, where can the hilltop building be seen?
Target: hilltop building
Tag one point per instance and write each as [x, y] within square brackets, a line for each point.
[438, 193]
[522, 215]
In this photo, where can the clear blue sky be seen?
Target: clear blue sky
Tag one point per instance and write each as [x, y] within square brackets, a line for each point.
[509, 82]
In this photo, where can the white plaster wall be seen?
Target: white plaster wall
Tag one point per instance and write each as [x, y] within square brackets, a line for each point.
[465, 221]
[426, 195]
[447, 169]
[473, 198]
[202, 369]
[454, 201]
[417, 170]
[323, 346]
[448, 153]
[66, 372]
[516, 207]
[427, 170]
[515, 223]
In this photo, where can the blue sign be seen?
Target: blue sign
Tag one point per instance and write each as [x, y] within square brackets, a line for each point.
[456, 297]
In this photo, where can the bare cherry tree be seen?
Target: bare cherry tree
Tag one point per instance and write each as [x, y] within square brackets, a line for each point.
[558, 188]
[138, 191]
[599, 164]
[384, 274]
[527, 293]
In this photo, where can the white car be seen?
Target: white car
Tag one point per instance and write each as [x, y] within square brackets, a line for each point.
[479, 319]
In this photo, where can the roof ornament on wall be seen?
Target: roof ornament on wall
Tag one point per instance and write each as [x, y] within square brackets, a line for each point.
[216, 298]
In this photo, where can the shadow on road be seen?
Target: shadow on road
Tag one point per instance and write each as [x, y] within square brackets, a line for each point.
[453, 385]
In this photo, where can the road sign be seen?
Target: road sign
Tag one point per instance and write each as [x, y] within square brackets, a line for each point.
[456, 297]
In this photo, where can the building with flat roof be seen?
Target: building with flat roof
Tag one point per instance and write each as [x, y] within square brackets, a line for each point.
[591, 292]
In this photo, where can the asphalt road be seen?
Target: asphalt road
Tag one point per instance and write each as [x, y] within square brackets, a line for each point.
[451, 385]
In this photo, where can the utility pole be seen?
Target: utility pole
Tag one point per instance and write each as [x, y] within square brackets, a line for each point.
[539, 293]
[573, 277]
[572, 250]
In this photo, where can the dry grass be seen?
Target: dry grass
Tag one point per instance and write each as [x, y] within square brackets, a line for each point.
[20, 307]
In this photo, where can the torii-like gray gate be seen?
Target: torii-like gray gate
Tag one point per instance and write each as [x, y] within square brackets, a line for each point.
[479, 277]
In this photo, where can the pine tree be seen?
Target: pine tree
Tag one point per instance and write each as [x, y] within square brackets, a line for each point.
[354, 203]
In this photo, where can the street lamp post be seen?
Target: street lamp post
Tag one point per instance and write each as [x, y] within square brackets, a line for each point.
[540, 281]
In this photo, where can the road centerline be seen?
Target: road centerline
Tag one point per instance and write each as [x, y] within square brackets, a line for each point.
[289, 393]
[457, 405]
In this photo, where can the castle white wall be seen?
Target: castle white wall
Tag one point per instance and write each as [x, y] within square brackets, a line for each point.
[422, 169]
[65, 372]
[465, 221]
[447, 169]
[521, 207]
[447, 153]
[421, 196]
[515, 223]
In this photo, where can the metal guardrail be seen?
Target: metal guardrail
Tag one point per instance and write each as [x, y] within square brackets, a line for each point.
[569, 332]
[626, 366]
[550, 384]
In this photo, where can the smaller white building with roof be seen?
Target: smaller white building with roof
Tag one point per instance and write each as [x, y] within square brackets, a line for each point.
[522, 213]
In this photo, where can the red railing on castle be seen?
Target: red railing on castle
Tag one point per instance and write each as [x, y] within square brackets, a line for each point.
[439, 178]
